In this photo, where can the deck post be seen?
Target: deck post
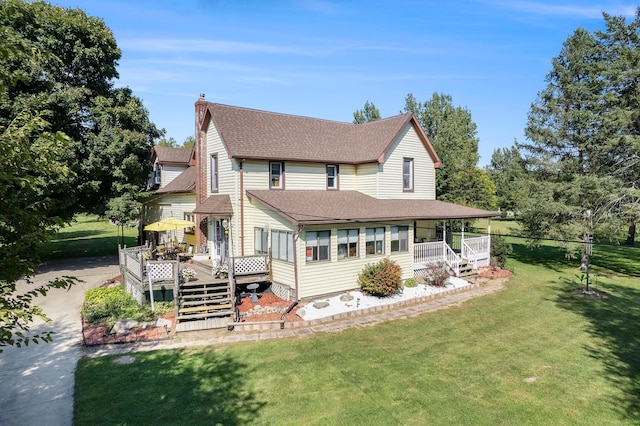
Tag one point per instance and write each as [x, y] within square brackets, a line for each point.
[444, 240]
[462, 236]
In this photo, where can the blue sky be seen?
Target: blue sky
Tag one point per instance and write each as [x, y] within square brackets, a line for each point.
[325, 58]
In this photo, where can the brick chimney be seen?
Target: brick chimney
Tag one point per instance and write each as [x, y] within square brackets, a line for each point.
[201, 169]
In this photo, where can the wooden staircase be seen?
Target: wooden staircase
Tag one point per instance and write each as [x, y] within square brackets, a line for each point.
[204, 298]
[466, 269]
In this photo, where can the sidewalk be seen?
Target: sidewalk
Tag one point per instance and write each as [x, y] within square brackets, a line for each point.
[221, 336]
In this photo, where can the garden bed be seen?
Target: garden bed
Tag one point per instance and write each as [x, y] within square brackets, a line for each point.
[493, 273]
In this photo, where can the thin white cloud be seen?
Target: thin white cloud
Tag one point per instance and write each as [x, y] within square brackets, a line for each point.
[558, 9]
[206, 46]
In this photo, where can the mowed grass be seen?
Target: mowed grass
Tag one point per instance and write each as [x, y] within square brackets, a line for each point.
[87, 236]
[532, 353]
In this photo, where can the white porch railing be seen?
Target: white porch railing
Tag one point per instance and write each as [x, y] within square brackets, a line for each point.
[425, 254]
[476, 250]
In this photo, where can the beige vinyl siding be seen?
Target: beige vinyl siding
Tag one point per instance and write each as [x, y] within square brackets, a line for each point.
[408, 145]
[347, 177]
[305, 176]
[335, 276]
[174, 205]
[227, 167]
[255, 174]
[258, 217]
[169, 173]
[367, 177]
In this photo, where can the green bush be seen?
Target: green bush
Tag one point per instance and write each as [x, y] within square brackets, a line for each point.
[110, 304]
[500, 251]
[381, 279]
[411, 282]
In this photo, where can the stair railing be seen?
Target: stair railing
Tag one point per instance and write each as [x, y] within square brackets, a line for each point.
[470, 254]
[452, 259]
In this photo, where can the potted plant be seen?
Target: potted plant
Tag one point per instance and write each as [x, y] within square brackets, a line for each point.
[187, 274]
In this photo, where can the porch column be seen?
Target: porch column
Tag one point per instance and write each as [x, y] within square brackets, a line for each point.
[462, 235]
[489, 227]
[444, 239]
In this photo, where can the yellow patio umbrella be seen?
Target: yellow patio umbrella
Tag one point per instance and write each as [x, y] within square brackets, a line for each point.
[158, 227]
[169, 224]
[175, 223]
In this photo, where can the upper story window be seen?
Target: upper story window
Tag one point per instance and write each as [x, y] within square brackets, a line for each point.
[191, 218]
[375, 241]
[158, 175]
[399, 238]
[318, 245]
[407, 174]
[214, 172]
[276, 175]
[332, 176]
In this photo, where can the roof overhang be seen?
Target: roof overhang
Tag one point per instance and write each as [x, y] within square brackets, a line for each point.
[340, 207]
[219, 205]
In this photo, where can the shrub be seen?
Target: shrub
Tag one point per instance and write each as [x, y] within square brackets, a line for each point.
[110, 304]
[500, 250]
[381, 279]
[438, 274]
[411, 282]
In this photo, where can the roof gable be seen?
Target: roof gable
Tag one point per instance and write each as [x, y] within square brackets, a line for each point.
[184, 182]
[254, 134]
[170, 155]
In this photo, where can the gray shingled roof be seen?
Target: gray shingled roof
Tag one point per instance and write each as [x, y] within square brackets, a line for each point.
[249, 133]
[325, 207]
[184, 182]
[218, 204]
[166, 154]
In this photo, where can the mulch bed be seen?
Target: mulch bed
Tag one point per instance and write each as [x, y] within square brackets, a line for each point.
[98, 334]
[494, 273]
[267, 301]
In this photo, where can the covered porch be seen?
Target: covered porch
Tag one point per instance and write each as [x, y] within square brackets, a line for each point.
[457, 250]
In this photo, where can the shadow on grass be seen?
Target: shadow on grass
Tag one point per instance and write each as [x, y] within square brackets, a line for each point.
[166, 387]
[551, 257]
[614, 322]
[618, 259]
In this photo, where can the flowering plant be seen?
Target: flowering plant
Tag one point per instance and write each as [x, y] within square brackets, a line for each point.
[222, 271]
[187, 274]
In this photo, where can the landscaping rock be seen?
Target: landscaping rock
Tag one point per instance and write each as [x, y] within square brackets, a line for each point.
[320, 305]
[346, 297]
[163, 322]
[123, 326]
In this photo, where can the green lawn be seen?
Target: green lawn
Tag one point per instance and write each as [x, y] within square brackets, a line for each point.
[533, 353]
[88, 236]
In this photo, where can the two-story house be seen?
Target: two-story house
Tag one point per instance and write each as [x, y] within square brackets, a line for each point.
[323, 198]
[172, 184]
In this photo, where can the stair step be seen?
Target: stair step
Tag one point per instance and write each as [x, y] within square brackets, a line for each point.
[205, 295]
[204, 308]
[223, 300]
[208, 282]
[210, 289]
[204, 315]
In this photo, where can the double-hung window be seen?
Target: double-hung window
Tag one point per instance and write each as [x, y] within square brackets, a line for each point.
[191, 218]
[282, 245]
[375, 241]
[407, 174]
[276, 175]
[260, 241]
[318, 243]
[347, 243]
[214, 172]
[399, 238]
[158, 175]
[332, 176]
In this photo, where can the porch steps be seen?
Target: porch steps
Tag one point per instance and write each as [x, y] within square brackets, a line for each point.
[466, 269]
[204, 298]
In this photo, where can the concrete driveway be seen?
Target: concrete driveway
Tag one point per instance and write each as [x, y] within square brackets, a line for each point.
[37, 381]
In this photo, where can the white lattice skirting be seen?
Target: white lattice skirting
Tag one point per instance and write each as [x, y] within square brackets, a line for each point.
[284, 292]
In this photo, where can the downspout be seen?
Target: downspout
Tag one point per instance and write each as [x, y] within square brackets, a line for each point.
[241, 208]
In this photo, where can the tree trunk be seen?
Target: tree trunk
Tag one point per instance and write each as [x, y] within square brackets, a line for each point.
[631, 236]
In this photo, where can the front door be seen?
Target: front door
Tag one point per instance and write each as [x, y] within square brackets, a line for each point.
[219, 241]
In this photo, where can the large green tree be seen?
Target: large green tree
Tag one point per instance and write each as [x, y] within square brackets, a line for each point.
[581, 140]
[72, 83]
[69, 141]
[507, 170]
